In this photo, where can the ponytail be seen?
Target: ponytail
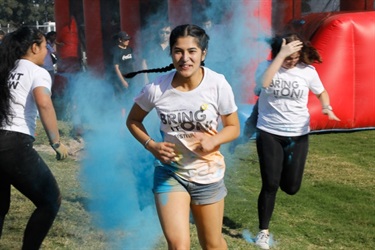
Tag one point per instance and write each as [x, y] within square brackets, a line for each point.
[157, 70]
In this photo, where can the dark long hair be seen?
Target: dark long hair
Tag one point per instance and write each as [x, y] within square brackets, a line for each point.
[13, 47]
[309, 54]
[180, 31]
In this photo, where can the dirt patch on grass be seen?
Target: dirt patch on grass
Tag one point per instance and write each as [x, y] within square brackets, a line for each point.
[75, 147]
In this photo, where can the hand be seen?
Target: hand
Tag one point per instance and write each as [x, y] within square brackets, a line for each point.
[164, 151]
[330, 114]
[207, 143]
[290, 48]
[61, 151]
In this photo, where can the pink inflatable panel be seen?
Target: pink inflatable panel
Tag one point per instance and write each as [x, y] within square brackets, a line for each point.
[346, 42]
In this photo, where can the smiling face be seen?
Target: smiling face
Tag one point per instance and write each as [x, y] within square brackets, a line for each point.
[187, 57]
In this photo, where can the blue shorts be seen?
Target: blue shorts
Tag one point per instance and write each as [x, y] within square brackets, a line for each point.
[165, 181]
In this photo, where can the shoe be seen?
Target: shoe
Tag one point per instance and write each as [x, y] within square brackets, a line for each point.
[262, 240]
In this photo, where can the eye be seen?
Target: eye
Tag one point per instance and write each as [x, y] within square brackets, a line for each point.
[192, 51]
[177, 52]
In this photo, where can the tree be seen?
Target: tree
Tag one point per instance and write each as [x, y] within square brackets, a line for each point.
[26, 12]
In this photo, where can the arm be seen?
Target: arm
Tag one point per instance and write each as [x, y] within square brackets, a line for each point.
[119, 75]
[48, 118]
[144, 66]
[285, 51]
[230, 131]
[326, 107]
[163, 151]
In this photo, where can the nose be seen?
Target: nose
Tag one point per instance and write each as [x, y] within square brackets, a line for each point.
[185, 57]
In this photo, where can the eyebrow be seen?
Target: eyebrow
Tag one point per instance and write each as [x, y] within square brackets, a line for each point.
[191, 48]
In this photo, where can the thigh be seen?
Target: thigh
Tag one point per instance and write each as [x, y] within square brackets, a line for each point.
[174, 211]
[173, 206]
[209, 222]
[32, 177]
[271, 155]
[295, 161]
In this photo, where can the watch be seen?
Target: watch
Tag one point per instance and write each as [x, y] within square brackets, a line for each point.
[55, 145]
[329, 107]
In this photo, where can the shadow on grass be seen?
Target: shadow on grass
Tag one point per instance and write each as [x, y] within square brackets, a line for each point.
[232, 228]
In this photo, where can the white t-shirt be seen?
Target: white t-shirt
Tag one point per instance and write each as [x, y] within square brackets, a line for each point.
[185, 116]
[22, 81]
[283, 105]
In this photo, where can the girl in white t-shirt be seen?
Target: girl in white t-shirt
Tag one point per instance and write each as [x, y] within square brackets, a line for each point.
[283, 121]
[189, 169]
[25, 94]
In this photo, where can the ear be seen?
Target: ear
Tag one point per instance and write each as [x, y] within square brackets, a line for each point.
[35, 48]
[204, 53]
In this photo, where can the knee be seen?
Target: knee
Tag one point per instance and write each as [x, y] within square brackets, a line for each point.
[270, 188]
[218, 243]
[291, 190]
[56, 205]
[178, 242]
[52, 206]
[178, 245]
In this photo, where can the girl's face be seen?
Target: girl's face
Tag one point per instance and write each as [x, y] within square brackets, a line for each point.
[187, 56]
[40, 52]
[291, 61]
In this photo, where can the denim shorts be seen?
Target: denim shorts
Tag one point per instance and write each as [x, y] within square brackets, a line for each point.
[165, 181]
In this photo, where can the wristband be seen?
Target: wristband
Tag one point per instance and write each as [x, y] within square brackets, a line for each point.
[147, 142]
[329, 107]
[55, 145]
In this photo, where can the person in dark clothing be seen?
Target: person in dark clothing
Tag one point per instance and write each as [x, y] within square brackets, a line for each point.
[25, 93]
[123, 60]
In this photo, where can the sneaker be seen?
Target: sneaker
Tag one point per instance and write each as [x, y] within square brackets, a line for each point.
[262, 240]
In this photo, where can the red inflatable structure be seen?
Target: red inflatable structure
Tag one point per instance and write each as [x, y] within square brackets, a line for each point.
[344, 39]
[346, 44]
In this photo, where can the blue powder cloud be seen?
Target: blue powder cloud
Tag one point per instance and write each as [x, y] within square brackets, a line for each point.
[116, 170]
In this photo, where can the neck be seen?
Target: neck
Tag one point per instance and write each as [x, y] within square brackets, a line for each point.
[164, 45]
[187, 83]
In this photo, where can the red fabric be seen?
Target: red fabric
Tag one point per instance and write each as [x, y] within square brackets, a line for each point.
[68, 42]
[346, 44]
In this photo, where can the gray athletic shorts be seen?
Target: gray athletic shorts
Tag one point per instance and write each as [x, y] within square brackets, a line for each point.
[165, 181]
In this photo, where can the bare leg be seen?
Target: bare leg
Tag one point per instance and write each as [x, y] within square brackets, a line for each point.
[173, 210]
[209, 222]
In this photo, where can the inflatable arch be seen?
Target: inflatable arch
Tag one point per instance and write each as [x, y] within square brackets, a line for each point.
[344, 39]
[346, 44]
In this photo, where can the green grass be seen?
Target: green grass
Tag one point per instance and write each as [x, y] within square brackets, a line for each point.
[333, 210]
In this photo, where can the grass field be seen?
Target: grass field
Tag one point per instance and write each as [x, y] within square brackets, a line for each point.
[333, 210]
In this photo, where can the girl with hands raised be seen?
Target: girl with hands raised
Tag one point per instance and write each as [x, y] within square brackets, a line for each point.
[283, 121]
